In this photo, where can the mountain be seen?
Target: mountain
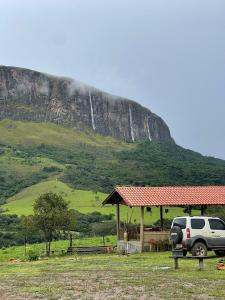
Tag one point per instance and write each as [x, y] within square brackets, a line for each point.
[86, 139]
[33, 96]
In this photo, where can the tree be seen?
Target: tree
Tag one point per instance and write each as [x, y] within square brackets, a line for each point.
[52, 214]
[27, 228]
[103, 229]
[216, 211]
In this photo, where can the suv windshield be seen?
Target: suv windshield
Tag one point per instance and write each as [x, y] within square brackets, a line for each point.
[181, 222]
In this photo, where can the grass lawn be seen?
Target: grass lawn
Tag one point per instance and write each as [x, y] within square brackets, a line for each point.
[110, 276]
[83, 201]
[17, 252]
[31, 133]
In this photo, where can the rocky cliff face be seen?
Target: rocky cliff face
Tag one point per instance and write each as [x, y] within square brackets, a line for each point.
[32, 96]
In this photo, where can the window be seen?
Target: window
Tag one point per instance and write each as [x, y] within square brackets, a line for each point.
[181, 222]
[216, 224]
[197, 223]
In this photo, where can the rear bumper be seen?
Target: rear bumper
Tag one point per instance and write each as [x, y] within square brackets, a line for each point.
[188, 243]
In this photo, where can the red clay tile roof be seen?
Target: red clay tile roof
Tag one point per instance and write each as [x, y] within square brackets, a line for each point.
[156, 196]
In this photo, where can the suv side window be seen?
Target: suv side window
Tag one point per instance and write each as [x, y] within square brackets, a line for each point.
[197, 223]
[216, 224]
[181, 222]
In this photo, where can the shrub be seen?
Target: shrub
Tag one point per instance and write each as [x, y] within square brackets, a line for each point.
[166, 223]
[32, 255]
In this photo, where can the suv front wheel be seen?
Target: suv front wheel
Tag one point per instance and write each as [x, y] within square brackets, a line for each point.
[199, 249]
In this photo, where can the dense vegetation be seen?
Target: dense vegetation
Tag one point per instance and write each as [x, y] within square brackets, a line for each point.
[12, 181]
[12, 232]
[15, 230]
[150, 163]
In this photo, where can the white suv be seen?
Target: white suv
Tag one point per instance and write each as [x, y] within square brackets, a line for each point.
[198, 234]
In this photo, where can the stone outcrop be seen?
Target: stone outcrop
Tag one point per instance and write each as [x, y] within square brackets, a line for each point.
[33, 96]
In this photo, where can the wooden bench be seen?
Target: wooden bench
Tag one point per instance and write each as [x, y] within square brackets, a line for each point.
[60, 251]
[199, 258]
[86, 250]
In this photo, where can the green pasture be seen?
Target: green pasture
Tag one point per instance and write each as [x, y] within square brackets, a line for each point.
[31, 133]
[17, 252]
[110, 276]
[83, 201]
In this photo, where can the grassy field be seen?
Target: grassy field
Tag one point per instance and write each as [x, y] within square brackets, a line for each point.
[83, 201]
[110, 276]
[17, 252]
[30, 134]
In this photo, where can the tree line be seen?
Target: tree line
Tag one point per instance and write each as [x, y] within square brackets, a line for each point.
[52, 220]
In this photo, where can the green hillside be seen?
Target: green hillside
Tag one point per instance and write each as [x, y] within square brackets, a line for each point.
[30, 134]
[32, 153]
[83, 201]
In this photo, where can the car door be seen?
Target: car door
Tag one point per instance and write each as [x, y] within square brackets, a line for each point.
[216, 233]
[198, 227]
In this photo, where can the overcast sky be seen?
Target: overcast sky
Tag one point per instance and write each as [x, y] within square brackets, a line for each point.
[169, 55]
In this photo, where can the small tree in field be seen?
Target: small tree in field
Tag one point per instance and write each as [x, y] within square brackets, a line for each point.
[27, 228]
[104, 229]
[51, 214]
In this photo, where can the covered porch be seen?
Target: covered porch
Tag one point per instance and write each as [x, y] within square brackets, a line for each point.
[145, 238]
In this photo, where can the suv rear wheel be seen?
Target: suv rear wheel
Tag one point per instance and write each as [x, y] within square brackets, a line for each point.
[199, 249]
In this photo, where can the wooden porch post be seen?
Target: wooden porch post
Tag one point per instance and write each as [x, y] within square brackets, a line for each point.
[203, 208]
[142, 229]
[161, 217]
[118, 221]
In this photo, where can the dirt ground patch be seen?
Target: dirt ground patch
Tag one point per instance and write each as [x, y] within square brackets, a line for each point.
[110, 277]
